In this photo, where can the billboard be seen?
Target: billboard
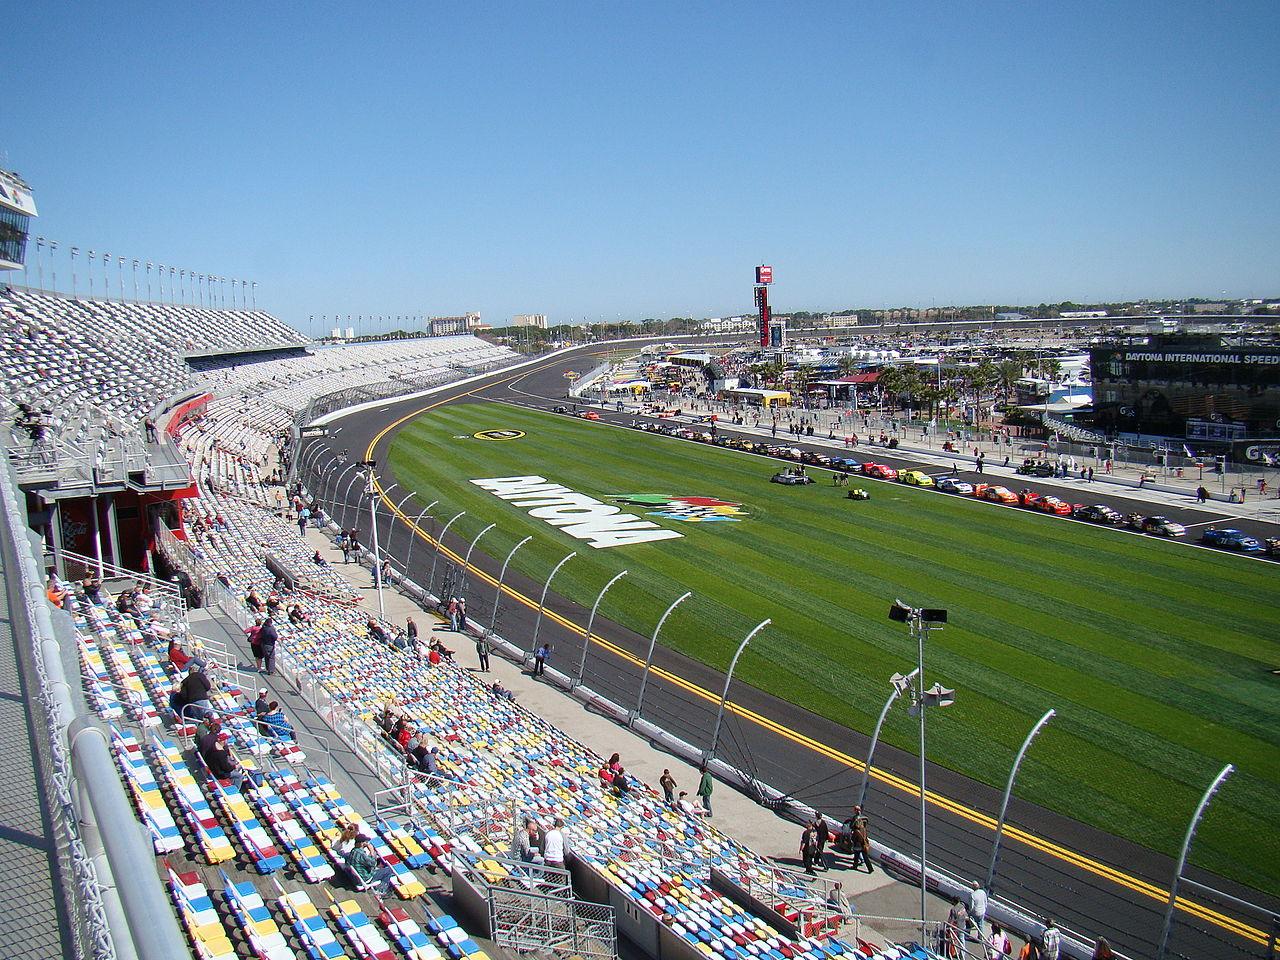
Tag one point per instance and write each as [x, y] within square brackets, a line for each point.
[764, 274]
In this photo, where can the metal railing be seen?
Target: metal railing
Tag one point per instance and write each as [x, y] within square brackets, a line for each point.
[95, 832]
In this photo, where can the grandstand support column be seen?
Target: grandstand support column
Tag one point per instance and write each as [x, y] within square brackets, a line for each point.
[415, 531]
[113, 530]
[724, 694]
[875, 735]
[1008, 791]
[502, 575]
[648, 658]
[97, 535]
[1182, 856]
[391, 533]
[431, 580]
[55, 530]
[586, 640]
[466, 561]
[542, 602]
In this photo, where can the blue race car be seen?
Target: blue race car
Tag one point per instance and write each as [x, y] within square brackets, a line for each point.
[1236, 540]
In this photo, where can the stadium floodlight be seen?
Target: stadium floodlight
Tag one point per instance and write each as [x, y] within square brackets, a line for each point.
[900, 684]
[920, 621]
[135, 280]
[91, 256]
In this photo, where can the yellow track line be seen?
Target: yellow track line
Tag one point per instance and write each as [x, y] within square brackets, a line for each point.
[1087, 864]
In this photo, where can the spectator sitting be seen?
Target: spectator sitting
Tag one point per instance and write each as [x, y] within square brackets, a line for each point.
[501, 692]
[274, 725]
[297, 616]
[56, 594]
[441, 649]
[318, 560]
[376, 633]
[684, 806]
[606, 776]
[191, 699]
[177, 656]
[92, 589]
[621, 785]
[222, 764]
[366, 869]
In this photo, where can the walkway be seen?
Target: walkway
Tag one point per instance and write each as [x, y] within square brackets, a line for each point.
[31, 901]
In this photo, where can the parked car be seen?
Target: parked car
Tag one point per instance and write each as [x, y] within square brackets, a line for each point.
[952, 485]
[1099, 513]
[915, 478]
[1231, 539]
[995, 493]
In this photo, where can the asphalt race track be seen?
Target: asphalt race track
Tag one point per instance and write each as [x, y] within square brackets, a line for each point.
[1089, 881]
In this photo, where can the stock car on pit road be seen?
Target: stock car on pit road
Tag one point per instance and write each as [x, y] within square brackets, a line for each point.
[589, 415]
[915, 478]
[995, 493]
[1045, 504]
[1099, 513]
[952, 485]
[880, 471]
[1232, 539]
[846, 464]
[1160, 526]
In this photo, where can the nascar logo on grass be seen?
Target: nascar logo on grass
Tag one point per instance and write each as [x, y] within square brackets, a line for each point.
[685, 509]
[586, 518]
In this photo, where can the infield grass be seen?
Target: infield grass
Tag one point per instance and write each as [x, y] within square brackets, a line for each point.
[1157, 657]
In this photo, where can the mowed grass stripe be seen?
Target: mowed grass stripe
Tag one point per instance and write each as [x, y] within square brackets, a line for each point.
[1152, 653]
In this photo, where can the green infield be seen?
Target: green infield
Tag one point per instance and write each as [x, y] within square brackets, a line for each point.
[1157, 657]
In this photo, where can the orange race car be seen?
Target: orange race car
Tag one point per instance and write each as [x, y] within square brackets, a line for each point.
[996, 494]
[1046, 504]
[590, 415]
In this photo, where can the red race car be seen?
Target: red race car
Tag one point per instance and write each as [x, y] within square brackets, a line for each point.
[880, 471]
[1046, 504]
[590, 415]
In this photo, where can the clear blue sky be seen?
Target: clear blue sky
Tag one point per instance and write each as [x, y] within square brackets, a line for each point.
[633, 160]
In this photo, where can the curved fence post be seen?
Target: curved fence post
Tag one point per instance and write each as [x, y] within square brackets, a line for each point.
[1008, 790]
[397, 512]
[1182, 857]
[542, 604]
[497, 595]
[648, 659]
[414, 533]
[586, 641]
[728, 678]
[431, 580]
[466, 561]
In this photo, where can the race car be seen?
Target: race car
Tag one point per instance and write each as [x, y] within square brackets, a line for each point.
[1231, 539]
[915, 478]
[1099, 513]
[880, 470]
[952, 485]
[1161, 526]
[846, 464]
[1048, 505]
[1036, 468]
[994, 493]
[589, 415]
[790, 478]
[1273, 546]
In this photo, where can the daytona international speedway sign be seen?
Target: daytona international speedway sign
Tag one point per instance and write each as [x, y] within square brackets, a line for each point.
[599, 524]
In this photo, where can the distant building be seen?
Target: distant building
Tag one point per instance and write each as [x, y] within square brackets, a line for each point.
[538, 320]
[453, 326]
[16, 210]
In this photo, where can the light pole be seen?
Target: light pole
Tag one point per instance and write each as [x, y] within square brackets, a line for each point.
[897, 682]
[431, 580]
[413, 534]
[253, 288]
[1004, 803]
[542, 603]
[40, 261]
[53, 264]
[149, 281]
[91, 257]
[372, 492]
[648, 659]
[466, 561]
[497, 594]
[120, 275]
[586, 641]
[724, 694]
[135, 280]
[920, 621]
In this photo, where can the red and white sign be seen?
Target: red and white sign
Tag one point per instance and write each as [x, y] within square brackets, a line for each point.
[764, 274]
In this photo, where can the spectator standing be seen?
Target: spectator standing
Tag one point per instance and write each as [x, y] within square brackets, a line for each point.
[540, 659]
[1000, 945]
[668, 784]
[482, 653]
[978, 912]
[953, 931]
[1050, 941]
[1102, 950]
[821, 834]
[192, 696]
[528, 847]
[553, 845]
[704, 789]
[808, 847]
[411, 629]
[861, 840]
[267, 639]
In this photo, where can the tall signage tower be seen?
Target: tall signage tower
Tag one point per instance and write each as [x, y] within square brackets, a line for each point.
[764, 277]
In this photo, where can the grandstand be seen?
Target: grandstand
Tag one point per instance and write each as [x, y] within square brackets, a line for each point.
[224, 387]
